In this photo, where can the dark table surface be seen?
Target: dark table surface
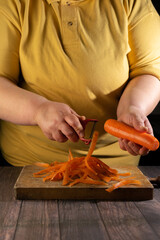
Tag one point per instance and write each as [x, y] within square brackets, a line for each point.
[76, 220]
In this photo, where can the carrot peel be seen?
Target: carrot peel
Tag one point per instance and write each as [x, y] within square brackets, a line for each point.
[122, 183]
[85, 170]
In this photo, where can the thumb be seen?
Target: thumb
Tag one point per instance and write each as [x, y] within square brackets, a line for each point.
[77, 115]
[139, 124]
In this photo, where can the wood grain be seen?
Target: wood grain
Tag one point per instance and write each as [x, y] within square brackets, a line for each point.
[28, 187]
[81, 220]
[67, 220]
[9, 213]
[9, 208]
[151, 209]
[124, 221]
[8, 178]
[38, 220]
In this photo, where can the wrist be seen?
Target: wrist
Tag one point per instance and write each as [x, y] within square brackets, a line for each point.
[38, 105]
[129, 110]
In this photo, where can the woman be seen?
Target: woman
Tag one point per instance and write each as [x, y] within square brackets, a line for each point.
[62, 61]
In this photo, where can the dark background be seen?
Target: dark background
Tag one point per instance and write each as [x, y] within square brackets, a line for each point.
[156, 3]
[153, 158]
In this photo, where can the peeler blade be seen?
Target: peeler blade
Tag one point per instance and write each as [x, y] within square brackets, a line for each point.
[84, 123]
[93, 128]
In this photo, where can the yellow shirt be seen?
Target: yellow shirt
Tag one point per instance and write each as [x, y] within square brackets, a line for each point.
[79, 52]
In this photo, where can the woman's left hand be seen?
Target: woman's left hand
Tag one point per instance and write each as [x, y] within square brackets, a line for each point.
[135, 118]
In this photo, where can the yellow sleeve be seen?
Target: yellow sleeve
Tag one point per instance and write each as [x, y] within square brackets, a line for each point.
[10, 32]
[144, 39]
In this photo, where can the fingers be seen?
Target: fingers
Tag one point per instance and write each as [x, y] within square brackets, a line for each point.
[139, 123]
[55, 135]
[77, 115]
[148, 125]
[69, 132]
[59, 122]
[138, 120]
[59, 137]
[143, 151]
[133, 148]
[64, 133]
[68, 129]
[74, 122]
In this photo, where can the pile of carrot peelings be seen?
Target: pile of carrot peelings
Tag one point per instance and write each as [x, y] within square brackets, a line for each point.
[87, 170]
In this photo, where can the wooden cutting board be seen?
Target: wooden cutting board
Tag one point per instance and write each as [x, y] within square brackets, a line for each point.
[29, 187]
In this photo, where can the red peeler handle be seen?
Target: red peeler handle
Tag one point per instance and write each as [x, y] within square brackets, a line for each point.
[84, 123]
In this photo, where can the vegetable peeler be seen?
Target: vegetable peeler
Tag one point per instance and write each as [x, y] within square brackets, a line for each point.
[84, 123]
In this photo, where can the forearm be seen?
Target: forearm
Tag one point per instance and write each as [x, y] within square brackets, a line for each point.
[57, 120]
[18, 105]
[142, 92]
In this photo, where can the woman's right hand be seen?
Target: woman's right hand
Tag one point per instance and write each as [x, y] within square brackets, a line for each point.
[59, 122]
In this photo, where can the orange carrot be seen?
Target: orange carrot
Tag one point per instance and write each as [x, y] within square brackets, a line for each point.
[70, 155]
[122, 130]
[86, 170]
[40, 164]
[122, 183]
[91, 149]
[87, 181]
